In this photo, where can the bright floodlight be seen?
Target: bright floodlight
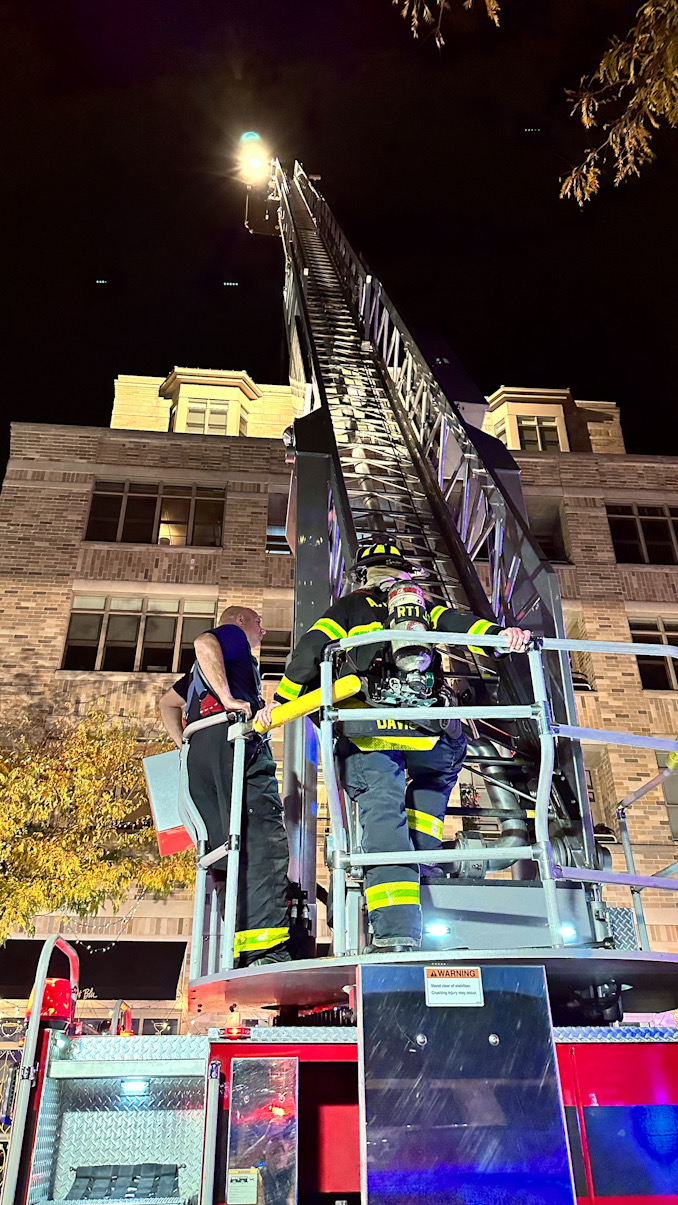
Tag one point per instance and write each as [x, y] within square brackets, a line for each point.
[254, 159]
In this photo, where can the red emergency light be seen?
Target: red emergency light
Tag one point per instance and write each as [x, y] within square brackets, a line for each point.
[57, 1001]
[234, 1032]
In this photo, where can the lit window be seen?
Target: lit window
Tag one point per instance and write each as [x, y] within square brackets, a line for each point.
[128, 635]
[670, 789]
[174, 515]
[537, 434]
[656, 673]
[644, 535]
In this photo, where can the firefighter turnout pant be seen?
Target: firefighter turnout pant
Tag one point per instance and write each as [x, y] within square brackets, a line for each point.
[262, 920]
[401, 797]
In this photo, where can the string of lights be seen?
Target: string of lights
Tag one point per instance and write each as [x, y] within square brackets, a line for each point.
[123, 923]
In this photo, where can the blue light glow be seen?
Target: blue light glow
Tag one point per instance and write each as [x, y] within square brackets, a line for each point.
[134, 1087]
[436, 929]
[250, 136]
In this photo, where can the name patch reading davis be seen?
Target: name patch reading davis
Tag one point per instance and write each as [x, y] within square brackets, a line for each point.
[457, 986]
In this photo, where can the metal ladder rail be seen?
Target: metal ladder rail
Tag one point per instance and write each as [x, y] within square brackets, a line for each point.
[359, 407]
[520, 578]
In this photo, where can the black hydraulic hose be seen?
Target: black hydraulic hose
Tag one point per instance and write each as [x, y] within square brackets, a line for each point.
[514, 830]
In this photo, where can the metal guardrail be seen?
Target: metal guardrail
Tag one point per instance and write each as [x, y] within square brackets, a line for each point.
[27, 1070]
[346, 857]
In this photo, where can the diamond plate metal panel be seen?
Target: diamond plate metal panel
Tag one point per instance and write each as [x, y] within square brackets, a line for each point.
[46, 1139]
[622, 1033]
[306, 1034]
[154, 1046]
[137, 1201]
[92, 1121]
[623, 928]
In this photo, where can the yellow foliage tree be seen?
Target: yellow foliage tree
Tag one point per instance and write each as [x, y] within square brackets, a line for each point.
[631, 93]
[75, 830]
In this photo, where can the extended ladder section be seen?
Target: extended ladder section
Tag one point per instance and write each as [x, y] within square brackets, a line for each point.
[405, 461]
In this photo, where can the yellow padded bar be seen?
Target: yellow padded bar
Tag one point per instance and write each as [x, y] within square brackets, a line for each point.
[343, 688]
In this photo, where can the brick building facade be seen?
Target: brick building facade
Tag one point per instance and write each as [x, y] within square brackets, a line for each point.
[610, 522]
[118, 545]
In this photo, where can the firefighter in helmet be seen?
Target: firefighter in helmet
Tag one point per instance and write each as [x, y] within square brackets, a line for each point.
[399, 774]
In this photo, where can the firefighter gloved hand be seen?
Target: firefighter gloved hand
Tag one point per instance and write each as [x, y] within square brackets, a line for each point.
[517, 639]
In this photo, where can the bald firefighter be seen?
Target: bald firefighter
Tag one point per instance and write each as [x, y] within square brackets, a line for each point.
[399, 774]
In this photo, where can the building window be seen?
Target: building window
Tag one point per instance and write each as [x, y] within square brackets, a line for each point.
[205, 417]
[536, 434]
[276, 523]
[128, 635]
[545, 524]
[500, 432]
[275, 649]
[656, 673]
[670, 789]
[644, 535]
[127, 512]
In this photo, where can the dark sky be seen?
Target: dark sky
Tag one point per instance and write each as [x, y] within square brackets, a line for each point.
[120, 120]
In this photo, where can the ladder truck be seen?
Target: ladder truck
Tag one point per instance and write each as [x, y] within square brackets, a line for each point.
[494, 1064]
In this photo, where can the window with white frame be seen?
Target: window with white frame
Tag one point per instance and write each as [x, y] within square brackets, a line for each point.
[129, 635]
[131, 512]
[644, 535]
[670, 789]
[206, 417]
[537, 433]
[656, 673]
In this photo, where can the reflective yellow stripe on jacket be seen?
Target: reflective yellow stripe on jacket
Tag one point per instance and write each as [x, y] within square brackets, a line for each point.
[421, 822]
[435, 616]
[479, 629]
[369, 744]
[330, 628]
[385, 895]
[288, 689]
[366, 627]
[259, 939]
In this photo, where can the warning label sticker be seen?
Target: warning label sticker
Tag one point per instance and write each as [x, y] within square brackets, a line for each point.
[242, 1188]
[460, 987]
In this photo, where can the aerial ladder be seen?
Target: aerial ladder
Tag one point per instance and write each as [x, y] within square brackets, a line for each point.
[491, 1066]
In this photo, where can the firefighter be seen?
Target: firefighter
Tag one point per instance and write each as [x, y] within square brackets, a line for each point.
[226, 677]
[399, 774]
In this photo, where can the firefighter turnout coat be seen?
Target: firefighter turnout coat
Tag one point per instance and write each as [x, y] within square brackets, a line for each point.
[367, 611]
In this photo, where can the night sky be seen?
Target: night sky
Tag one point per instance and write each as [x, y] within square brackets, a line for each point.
[120, 122]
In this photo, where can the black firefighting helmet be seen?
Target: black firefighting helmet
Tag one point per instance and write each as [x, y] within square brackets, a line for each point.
[391, 556]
